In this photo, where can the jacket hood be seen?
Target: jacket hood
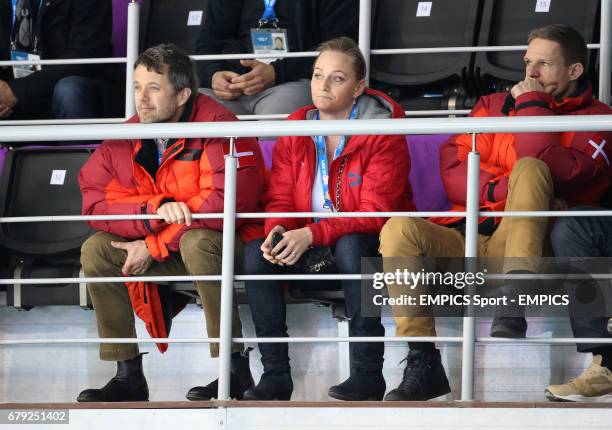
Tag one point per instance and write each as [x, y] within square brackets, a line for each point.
[372, 104]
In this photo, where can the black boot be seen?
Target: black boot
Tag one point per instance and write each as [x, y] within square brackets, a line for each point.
[424, 378]
[361, 385]
[240, 380]
[128, 385]
[509, 321]
[273, 385]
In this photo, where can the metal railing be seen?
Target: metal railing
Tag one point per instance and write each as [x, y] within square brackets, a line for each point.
[304, 128]
[365, 11]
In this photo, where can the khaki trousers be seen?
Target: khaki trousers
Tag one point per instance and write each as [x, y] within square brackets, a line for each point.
[530, 189]
[200, 254]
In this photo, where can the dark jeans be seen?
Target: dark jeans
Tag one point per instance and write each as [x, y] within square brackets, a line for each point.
[584, 237]
[77, 97]
[267, 302]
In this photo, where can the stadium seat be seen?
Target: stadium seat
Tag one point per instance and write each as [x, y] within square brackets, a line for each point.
[424, 81]
[508, 22]
[176, 21]
[38, 181]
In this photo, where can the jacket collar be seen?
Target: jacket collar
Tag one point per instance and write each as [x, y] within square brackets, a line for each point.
[147, 154]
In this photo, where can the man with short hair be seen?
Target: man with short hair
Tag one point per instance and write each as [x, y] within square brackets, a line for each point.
[518, 172]
[173, 178]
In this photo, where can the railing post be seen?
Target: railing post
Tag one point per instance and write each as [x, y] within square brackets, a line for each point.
[365, 23]
[133, 23]
[471, 252]
[227, 272]
[605, 51]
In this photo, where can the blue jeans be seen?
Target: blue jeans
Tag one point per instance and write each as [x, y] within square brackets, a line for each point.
[268, 307]
[584, 237]
[78, 97]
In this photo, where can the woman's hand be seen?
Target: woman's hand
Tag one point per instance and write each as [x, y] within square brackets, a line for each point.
[294, 244]
[265, 246]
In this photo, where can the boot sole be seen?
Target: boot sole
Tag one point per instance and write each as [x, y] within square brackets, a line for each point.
[339, 396]
[392, 397]
[574, 398]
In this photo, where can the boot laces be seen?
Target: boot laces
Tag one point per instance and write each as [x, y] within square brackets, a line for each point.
[414, 374]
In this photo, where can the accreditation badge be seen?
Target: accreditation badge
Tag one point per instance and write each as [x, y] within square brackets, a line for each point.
[269, 41]
[25, 70]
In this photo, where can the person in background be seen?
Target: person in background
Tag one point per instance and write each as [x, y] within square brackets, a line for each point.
[281, 86]
[323, 174]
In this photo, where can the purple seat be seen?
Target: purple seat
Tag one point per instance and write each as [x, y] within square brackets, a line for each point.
[3, 152]
[427, 188]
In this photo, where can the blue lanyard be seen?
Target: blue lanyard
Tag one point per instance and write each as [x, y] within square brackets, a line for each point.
[269, 15]
[14, 11]
[322, 159]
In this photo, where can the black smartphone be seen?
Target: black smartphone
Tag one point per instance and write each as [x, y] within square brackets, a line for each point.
[276, 237]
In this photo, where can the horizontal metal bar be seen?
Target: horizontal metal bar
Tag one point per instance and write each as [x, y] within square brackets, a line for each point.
[240, 117]
[64, 121]
[216, 57]
[252, 215]
[166, 279]
[408, 113]
[451, 49]
[309, 128]
[557, 214]
[248, 215]
[235, 340]
[67, 61]
[271, 277]
[391, 339]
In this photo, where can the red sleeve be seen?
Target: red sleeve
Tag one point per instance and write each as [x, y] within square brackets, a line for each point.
[104, 195]
[570, 165]
[249, 183]
[454, 162]
[281, 191]
[384, 188]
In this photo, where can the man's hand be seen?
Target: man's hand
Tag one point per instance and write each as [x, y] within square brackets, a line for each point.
[7, 100]
[528, 85]
[260, 77]
[295, 243]
[175, 213]
[138, 259]
[221, 85]
[265, 246]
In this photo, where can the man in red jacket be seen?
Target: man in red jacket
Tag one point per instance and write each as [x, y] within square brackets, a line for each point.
[518, 172]
[172, 178]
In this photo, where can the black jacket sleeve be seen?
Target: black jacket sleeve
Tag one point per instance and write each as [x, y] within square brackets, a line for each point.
[328, 19]
[86, 33]
[218, 36]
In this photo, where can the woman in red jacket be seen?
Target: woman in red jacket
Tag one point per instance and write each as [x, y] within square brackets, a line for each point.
[366, 174]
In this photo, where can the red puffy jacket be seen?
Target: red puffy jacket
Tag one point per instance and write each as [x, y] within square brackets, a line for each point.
[122, 177]
[375, 177]
[579, 162]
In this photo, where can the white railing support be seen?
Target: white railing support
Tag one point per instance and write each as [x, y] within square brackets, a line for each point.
[605, 53]
[133, 30]
[471, 252]
[227, 272]
[365, 31]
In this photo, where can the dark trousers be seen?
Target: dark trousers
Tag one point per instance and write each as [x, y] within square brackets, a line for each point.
[584, 237]
[267, 302]
[78, 97]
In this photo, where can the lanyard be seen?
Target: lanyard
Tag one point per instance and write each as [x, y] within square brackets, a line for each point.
[269, 14]
[322, 159]
[33, 17]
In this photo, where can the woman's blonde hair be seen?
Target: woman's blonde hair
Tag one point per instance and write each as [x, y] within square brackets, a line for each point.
[347, 46]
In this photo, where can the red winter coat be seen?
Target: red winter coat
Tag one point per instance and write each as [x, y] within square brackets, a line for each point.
[580, 172]
[122, 177]
[375, 177]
